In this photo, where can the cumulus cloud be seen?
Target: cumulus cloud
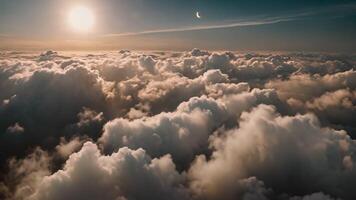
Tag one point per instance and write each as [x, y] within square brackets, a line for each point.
[330, 97]
[342, 98]
[314, 196]
[289, 154]
[26, 174]
[45, 102]
[184, 132]
[66, 148]
[16, 128]
[126, 174]
[177, 125]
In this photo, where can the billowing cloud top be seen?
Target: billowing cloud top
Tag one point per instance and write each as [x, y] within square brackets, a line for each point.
[177, 125]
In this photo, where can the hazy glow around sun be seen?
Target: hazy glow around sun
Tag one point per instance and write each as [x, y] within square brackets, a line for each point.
[81, 19]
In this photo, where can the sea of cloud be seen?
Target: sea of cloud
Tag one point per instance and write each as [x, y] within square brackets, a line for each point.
[192, 125]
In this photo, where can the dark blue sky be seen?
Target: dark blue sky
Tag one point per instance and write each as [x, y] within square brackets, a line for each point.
[312, 25]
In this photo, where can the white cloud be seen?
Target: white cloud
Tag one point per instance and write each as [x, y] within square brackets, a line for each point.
[284, 152]
[126, 174]
[138, 107]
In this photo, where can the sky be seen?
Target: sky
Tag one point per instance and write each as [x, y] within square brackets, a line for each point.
[313, 25]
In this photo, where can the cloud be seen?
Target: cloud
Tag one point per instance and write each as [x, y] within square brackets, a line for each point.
[289, 154]
[16, 128]
[46, 101]
[314, 196]
[126, 174]
[306, 86]
[26, 174]
[66, 148]
[177, 125]
[342, 98]
[330, 97]
[184, 132]
[207, 27]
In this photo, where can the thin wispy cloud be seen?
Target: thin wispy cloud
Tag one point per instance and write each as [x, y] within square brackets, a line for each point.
[205, 27]
[262, 20]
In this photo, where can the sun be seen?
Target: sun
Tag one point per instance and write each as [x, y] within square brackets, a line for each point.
[81, 19]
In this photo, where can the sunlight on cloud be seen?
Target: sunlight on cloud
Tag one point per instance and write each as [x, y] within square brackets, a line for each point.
[178, 125]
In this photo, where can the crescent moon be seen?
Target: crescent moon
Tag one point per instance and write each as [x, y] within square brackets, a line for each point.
[198, 15]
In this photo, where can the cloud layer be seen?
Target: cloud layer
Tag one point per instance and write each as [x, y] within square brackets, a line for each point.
[177, 125]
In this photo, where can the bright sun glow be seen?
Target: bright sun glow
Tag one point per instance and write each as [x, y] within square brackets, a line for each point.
[81, 19]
